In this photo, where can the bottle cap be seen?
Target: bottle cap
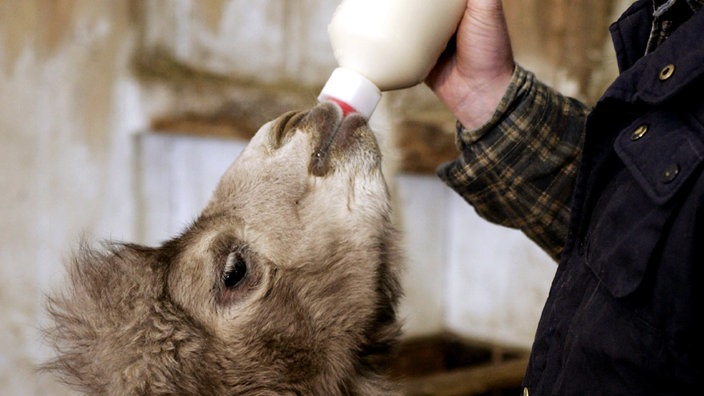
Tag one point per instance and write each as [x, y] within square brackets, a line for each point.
[347, 87]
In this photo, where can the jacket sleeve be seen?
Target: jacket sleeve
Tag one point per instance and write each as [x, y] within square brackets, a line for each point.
[519, 169]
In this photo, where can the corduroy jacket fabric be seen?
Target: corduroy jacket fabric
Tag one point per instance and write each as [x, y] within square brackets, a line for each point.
[624, 314]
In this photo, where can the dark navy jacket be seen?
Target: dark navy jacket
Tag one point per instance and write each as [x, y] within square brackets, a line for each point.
[624, 315]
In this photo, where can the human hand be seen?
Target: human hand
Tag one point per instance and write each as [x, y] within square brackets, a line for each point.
[473, 73]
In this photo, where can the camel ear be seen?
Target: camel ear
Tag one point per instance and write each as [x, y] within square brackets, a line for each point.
[104, 270]
[104, 284]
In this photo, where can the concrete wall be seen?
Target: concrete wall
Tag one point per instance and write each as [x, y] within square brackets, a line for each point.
[83, 81]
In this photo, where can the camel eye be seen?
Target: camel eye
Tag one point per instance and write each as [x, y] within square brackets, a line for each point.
[235, 270]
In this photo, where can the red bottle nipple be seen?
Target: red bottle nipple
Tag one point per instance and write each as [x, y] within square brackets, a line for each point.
[346, 108]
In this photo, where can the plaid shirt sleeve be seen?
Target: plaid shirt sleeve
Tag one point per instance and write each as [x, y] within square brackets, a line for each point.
[519, 169]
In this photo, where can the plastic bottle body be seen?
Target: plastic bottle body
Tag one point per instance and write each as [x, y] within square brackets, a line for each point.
[392, 43]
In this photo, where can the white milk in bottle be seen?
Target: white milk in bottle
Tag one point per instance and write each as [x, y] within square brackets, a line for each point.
[382, 45]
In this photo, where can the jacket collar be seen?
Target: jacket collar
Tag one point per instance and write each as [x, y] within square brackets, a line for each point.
[663, 4]
[668, 15]
[641, 82]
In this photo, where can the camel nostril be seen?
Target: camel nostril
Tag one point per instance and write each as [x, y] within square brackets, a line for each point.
[284, 126]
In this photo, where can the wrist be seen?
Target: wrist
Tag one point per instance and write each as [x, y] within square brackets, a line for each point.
[473, 102]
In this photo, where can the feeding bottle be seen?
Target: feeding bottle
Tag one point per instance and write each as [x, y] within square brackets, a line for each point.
[382, 45]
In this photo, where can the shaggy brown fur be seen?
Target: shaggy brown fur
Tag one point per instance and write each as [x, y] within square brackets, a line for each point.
[287, 283]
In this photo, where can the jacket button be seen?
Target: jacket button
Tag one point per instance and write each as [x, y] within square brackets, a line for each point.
[667, 72]
[670, 173]
[639, 132]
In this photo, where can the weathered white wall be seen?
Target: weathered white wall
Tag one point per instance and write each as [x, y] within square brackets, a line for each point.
[68, 107]
[497, 280]
[266, 41]
[74, 161]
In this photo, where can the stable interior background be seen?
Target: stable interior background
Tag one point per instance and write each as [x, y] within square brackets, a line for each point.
[118, 117]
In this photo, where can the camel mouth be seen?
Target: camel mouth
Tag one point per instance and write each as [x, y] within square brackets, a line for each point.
[320, 159]
[335, 138]
[339, 138]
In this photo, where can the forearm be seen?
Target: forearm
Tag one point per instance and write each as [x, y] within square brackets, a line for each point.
[519, 169]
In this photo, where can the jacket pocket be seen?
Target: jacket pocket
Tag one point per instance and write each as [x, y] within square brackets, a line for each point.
[658, 155]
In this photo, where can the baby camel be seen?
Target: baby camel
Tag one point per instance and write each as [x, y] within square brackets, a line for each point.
[287, 282]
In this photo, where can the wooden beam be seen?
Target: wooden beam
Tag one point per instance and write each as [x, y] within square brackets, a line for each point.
[469, 381]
